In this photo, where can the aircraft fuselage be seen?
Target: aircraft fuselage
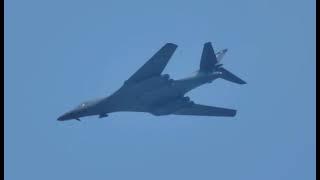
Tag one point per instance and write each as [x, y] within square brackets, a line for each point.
[152, 93]
[147, 90]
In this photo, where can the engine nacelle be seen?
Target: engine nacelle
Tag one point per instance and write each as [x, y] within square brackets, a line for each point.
[166, 76]
[186, 99]
[103, 115]
[172, 106]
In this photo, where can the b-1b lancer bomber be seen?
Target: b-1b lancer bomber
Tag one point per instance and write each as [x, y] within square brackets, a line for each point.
[148, 90]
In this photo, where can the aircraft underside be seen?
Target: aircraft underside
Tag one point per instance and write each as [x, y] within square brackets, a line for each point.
[148, 90]
[158, 95]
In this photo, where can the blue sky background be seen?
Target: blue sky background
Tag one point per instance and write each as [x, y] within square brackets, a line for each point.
[61, 52]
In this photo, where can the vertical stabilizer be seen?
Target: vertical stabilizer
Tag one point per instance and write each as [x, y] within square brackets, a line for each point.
[208, 58]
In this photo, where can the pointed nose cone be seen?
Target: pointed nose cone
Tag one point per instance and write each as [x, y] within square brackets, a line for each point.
[62, 118]
[66, 116]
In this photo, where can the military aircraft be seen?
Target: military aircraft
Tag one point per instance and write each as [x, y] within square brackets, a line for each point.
[150, 91]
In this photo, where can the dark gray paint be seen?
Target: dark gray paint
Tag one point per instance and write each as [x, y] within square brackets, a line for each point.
[147, 90]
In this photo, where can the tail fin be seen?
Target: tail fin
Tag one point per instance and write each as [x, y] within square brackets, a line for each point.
[210, 62]
[208, 58]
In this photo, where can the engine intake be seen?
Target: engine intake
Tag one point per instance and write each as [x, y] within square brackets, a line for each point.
[166, 76]
[186, 99]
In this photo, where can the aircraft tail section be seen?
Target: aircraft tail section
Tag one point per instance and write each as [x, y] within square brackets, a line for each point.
[210, 63]
[208, 58]
[225, 74]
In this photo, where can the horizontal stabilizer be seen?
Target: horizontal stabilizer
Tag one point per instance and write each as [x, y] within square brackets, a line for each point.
[230, 77]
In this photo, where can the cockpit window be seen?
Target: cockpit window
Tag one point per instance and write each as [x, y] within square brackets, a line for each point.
[87, 104]
[82, 105]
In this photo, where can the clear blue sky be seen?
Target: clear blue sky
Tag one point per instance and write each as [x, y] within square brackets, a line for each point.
[61, 52]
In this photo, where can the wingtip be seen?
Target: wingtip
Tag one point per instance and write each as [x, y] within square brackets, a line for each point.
[234, 113]
[243, 82]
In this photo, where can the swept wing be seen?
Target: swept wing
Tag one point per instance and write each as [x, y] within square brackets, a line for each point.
[203, 110]
[155, 65]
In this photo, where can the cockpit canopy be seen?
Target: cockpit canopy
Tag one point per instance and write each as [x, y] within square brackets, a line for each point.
[87, 104]
[84, 104]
